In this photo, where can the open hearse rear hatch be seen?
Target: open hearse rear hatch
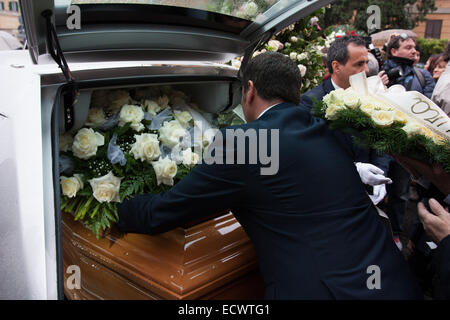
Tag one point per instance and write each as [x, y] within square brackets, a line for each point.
[175, 44]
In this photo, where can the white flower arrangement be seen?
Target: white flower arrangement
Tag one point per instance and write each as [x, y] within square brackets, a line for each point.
[387, 120]
[133, 153]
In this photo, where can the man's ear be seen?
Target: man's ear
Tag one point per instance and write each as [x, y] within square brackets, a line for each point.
[335, 65]
[251, 92]
[393, 52]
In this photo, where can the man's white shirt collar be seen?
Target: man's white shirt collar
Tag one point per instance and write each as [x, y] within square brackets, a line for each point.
[335, 85]
[267, 110]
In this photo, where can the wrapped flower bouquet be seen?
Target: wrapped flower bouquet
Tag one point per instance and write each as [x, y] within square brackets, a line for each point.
[129, 146]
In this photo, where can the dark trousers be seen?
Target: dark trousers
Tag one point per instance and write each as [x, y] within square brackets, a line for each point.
[398, 195]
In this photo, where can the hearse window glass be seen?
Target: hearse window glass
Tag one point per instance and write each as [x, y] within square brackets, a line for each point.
[251, 10]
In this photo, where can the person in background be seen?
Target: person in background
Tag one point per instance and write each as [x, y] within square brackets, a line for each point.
[418, 53]
[402, 54]
[437, 226]
[431, 62]
[441, 94]
[372, 65]
[439, 69]
[347, 56]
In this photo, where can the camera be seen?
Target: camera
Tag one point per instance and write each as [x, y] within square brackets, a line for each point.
[393, 74]
[375, 51]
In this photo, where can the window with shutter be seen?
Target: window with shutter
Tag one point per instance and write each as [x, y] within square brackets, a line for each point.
[433, 29]
[2, 6]
[13, 6]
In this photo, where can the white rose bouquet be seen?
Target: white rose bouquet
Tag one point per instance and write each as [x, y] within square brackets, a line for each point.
[392, 121]
[304, 43]
[131, 144]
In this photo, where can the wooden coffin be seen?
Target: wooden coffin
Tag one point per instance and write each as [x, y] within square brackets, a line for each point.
[211, 260]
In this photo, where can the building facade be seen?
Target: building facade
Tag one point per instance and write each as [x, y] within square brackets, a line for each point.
[10, 16]
[438, 23]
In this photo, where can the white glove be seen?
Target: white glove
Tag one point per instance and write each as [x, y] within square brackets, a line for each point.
[371, 174]
[379, 192]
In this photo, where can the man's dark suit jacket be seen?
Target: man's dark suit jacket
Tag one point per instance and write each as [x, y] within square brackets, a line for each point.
[441, 265]
[315, 231]
[359, 154]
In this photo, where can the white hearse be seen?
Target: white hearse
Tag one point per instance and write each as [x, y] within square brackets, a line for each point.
[46, 91]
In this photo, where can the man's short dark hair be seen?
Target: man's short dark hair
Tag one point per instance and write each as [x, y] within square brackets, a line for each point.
[395, 43]
[275, 76]
[338, 50]
[447, 53]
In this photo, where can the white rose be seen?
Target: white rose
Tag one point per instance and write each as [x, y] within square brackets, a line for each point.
[334, 97]
[400, 116]
[431, 135]
[165, 170]
[412, 127]
[250, 9]
[86, 143]
[287, 44]
[106, 188]
[70, 186]
[170, 133]
[367, 108]
[133, 114]
[275, 44]
[307, 83]
[146, 147]
[351, 98]
[302, 69]
[303, 56]
[152, 107]
[293, 56]
[183, 117]
[438, 139]
[65, 142]
[189, 158]
[293, 39]
[96, 117]
[332, 110]
[383, 118]
[313, 20]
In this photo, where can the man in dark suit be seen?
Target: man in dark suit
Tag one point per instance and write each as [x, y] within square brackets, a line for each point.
[437, 226]
[315, 230]
[347, 56]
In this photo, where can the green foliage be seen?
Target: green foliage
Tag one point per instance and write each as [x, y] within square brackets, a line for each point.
[431, 46]
[394, 14]
[307, 49]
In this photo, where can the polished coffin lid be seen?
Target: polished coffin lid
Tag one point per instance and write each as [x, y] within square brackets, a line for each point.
[184, 263]
[189, 29]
